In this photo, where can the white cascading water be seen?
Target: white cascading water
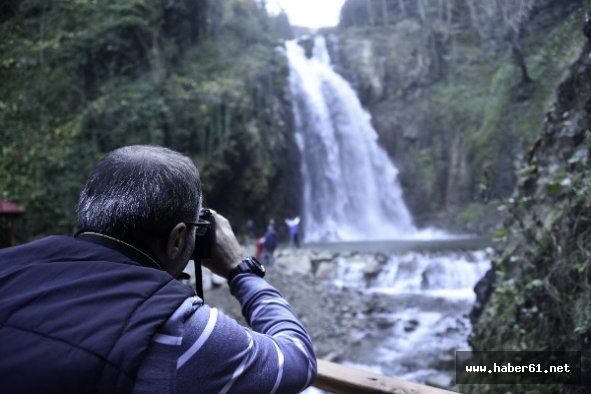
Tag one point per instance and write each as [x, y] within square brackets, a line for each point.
[422, 315]
[351, 191]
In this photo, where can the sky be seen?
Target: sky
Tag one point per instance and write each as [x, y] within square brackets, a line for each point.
[308, 13]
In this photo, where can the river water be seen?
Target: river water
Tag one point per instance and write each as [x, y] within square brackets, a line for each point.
[420, 295]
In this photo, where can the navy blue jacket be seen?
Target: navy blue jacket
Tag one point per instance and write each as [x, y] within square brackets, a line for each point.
[270, 239]
[77, 317]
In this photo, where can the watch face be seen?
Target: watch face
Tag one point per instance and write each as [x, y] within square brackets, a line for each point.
[257, 266]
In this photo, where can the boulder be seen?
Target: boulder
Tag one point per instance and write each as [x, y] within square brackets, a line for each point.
[324, 270]
[299, 263]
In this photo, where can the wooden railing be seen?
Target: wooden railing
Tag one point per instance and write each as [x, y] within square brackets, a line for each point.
[341, 379]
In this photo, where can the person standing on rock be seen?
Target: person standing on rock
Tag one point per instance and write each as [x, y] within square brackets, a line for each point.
[104, 311]
[270, 243]
[293, 225]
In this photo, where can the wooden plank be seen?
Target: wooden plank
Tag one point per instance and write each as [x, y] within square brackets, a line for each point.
[341, 379]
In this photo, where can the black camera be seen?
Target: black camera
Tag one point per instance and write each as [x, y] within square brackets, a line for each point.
[204, 236]
[204, 243]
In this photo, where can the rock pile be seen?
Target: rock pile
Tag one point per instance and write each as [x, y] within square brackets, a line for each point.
[332, 315]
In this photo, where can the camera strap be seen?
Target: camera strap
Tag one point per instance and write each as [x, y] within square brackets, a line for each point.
[198, 279]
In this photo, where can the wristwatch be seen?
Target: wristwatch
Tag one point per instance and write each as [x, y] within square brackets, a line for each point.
[249, 265]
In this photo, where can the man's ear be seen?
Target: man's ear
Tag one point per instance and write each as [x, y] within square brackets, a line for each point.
[176, 241]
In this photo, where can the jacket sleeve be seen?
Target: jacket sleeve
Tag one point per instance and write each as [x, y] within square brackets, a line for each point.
[213, 353]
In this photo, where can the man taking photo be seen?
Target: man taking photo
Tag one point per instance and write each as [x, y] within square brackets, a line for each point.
[103, 312]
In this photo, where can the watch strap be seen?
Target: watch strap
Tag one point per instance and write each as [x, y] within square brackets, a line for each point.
[249, 265]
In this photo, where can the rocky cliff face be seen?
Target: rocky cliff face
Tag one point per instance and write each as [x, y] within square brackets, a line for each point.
[537, 294]
[451, 107]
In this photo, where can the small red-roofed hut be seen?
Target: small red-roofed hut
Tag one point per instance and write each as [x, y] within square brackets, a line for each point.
[8, 213]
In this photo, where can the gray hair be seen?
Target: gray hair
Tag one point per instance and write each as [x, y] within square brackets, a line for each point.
[138, 191]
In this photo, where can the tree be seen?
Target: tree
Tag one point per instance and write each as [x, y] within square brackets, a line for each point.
[515, 13]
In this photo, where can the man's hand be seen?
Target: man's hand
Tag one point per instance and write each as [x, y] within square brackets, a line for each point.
[227, 252]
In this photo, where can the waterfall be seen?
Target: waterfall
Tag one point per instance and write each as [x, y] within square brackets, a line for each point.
[350, 186]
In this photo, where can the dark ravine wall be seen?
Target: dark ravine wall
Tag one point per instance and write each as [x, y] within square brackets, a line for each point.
[451, 107]
[537, 295]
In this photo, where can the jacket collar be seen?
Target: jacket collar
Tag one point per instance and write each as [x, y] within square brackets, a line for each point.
[122, 247]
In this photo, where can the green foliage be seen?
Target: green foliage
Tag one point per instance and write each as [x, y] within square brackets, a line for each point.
[540, 290]
[476, 212]
[487, 138]
[546, 66]
[427, 163]
[464, 102]
[494, 112]
[542, 286]
[80, 78]
[499, 234]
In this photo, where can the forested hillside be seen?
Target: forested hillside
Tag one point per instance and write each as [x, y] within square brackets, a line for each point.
[81, 77]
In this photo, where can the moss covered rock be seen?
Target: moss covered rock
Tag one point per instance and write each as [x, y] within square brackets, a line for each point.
[536, 297]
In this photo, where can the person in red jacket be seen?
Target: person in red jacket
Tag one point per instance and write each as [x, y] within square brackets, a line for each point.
[260, 248]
